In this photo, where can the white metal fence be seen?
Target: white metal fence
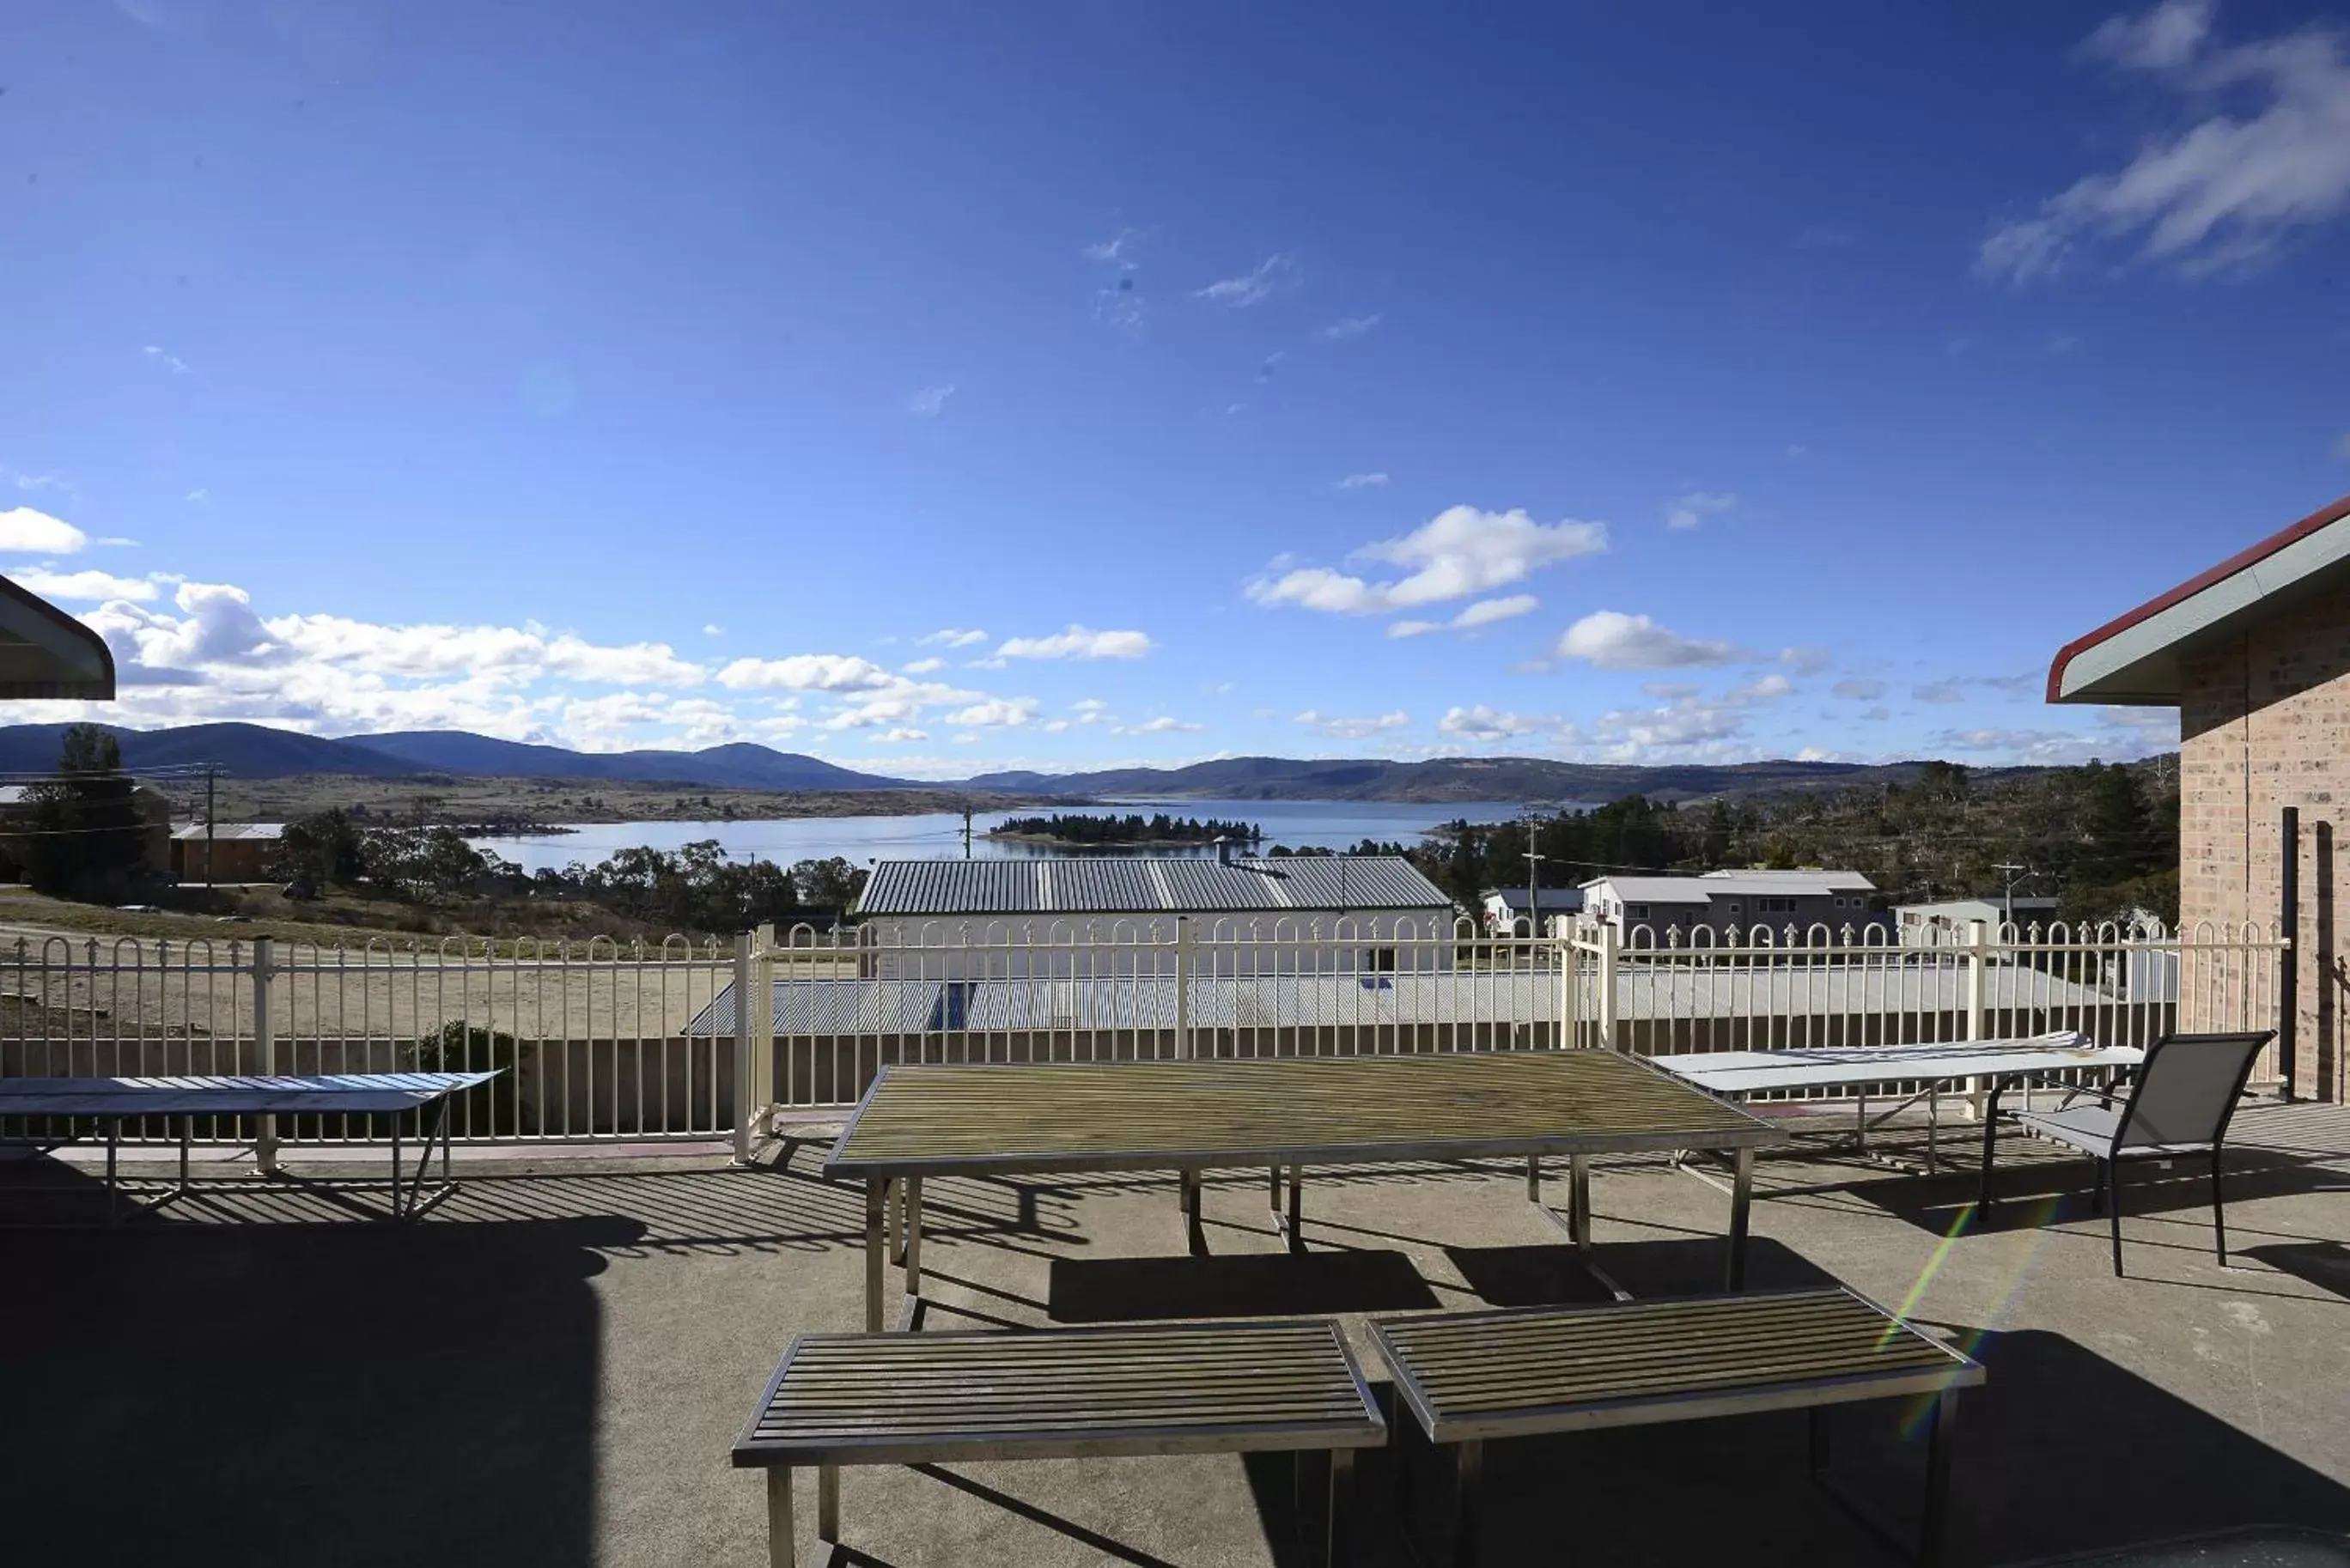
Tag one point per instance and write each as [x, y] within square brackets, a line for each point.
[605, 1041]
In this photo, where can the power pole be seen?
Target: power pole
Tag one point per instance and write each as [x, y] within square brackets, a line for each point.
[2014, 872]
[966, 830]
[1533, 897]
[211, 776]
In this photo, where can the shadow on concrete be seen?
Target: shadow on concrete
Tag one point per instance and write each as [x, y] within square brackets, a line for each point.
[2060, 1452]
[2325, 1265]
[1267, 1285]
[2050, 1192]
[1554, 1276]
[286, 1394]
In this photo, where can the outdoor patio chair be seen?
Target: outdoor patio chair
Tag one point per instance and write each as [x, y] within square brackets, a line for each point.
[2186, 1091]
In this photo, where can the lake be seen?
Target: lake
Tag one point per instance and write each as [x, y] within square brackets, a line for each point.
[1299, 823]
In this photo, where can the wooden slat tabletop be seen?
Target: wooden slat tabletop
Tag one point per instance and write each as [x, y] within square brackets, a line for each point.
[1550, 1369]
[1143, 1116]
[904, 1398]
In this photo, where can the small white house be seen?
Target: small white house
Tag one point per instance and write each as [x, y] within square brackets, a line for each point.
[1724, 901]
[1123, 914]
[1508, 909]
[1941, 924]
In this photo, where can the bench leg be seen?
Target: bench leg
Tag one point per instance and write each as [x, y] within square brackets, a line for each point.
[1338, 1549]
[1533, 1179]
[875, 1250]
[827, 1503]
[1469, 1465]
[1931, 1521]
[914, 1235]
[779, 1516]
[1742, 1198]
[897, 1226]
[1578, 1200]
[1297, 1209]
[1195, 1236]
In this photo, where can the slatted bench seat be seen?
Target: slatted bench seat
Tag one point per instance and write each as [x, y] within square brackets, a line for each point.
[922, 1399]
[1469, 1376]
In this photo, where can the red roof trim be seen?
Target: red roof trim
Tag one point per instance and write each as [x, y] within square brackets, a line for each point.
[2195, 584]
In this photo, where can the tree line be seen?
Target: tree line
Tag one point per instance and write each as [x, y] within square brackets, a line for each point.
[1132, 828]
[694, 888]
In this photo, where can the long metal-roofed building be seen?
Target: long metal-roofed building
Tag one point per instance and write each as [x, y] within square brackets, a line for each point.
[1146, 914]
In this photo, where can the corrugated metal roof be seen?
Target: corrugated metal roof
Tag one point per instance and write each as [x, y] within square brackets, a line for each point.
[1734, 884]
[225, 831]
[1139, 884]
[1304, 1001]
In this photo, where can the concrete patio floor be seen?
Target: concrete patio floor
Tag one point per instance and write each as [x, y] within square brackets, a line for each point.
[550, 1368]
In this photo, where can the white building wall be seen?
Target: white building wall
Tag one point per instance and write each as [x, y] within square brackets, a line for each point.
[1144, 944]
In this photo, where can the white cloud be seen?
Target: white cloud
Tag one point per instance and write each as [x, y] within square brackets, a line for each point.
[807, 672]
[1078, 643]
[1091, 707]
[928, 402]
[1858, 690]
[1484, 612]
[2225, 189]
[713, 630]
[91, 585]
[1345, 728]
[994, 712]
[1938, 691]
[1120, 250]
[1614, 640]
[1877, 715]
[1349, 326]
[1668, 690]
[1458, 552]
[156, 352]
[27, 531]
[1805, 661]
[1768, 688]
[1256, 286]
[922, 666]
[197, 497]
[892, 738]
[1690, 510]
[1159, 726]
[1484, 723]
[1795, 449]
[2342, 445]
[953, 637]
[1373, 481]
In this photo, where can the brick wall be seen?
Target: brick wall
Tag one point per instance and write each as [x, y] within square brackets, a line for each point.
[2265, 723]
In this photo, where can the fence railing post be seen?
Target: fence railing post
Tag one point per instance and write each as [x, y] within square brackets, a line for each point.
[1610, 944]
[264, 1050]
[1978, 990]
[1183, 988]
[1570, 963]
[745, 1011]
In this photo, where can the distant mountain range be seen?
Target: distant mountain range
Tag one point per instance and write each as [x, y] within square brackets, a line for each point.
[253, 750]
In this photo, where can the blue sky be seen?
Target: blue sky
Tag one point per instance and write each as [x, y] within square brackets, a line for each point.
[1652, 383]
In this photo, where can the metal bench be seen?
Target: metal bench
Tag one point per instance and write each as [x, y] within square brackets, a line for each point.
[925, 1398]
[1469, 1376]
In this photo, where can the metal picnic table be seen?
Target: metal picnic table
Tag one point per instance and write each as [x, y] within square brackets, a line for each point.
[1736, 1075]
[113, 1101]
[1038, 1119]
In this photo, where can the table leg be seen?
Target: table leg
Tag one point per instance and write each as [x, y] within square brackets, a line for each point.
[1273, 1187]
[113, 1137]
[1938, 1479]
[1578, 1200]
[1195, 1236]
[1533, 1179]
[1934, 1130]
[875, 1248]
[827, 1503]
[1469, 1462]
[1742, 1196]
[914, 1235]
[1340, 1523]
[779, 1516]
[1296, 1210]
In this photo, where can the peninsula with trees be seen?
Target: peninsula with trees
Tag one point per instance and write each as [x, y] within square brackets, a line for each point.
[1132, 831]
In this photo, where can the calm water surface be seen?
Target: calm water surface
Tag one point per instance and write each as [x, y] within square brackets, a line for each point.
[1299, 823]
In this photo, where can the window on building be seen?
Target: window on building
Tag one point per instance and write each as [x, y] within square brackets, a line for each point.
[1774, 906]
[1635, 911]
